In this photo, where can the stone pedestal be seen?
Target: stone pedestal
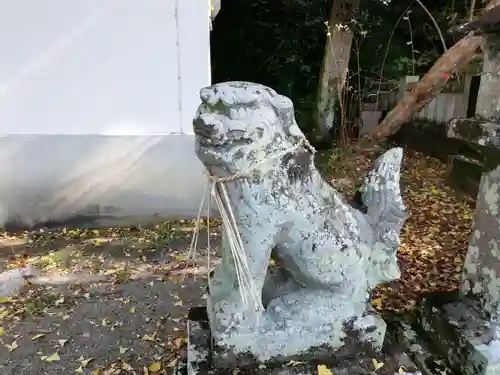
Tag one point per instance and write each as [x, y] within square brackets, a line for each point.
[202, 356]
[465, 325]
[205, 359]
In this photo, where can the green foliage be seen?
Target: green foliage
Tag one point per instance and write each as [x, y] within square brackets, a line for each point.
[403, 37]
[280, 43]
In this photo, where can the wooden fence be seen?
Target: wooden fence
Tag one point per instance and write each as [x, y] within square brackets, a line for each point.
[444, 107]
[451, 102]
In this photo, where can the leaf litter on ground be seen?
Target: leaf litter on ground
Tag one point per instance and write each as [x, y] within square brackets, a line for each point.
[434, 238]
[127, 260]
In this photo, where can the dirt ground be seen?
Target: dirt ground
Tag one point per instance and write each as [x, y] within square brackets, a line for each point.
[121, 311]
[115, 299]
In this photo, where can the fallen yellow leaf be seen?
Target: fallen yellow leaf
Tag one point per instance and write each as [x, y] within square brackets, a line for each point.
[53, 358]
[12, 346]
[96, 371]
[79, 369]
[84, 361]
[2, 331]
[36, 337]
[377, 303]
[149, 337]
[154, 367]
[127, 367]
[377, 364]
[323, 370]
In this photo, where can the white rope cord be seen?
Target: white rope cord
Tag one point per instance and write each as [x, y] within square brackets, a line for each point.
[194, 241]
[219, 189]
[209, 247]
[241, 266]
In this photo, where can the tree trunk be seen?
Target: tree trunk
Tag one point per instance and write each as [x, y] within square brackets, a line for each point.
[488, 98]
[451, 62]
[335, 63]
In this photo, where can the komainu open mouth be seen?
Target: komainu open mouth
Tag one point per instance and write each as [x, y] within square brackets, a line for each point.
[218, 130]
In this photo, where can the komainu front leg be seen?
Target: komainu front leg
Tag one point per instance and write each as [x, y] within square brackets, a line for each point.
[235, 301]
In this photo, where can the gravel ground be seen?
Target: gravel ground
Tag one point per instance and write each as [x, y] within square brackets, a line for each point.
[132, 323]
[138, 324]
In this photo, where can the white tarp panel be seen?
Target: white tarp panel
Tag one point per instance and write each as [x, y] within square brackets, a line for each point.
[96, 103]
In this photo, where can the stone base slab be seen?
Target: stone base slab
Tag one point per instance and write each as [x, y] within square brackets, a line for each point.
[199, 355]
[344, 338]
[459, 332]
[200, 359]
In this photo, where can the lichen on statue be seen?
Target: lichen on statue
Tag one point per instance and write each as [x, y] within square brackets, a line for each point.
[329, 255]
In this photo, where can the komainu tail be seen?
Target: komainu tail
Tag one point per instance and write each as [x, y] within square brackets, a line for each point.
[381, 195]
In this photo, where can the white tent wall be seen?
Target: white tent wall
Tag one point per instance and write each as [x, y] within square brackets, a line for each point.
[96, 105]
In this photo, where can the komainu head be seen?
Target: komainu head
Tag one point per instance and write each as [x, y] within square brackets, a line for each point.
[239, 124]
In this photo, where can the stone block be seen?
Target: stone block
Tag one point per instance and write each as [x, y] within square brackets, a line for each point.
[199, 356]
[202, 358]
[464, 174]
[461, 334]
[477, 131]
[407, 335]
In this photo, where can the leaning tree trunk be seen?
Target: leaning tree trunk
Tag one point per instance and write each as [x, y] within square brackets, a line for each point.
[335, 63]
[451, 62]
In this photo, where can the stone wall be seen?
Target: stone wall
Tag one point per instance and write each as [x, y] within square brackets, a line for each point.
[430, 139]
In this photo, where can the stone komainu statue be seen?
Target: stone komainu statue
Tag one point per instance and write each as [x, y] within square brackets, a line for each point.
[329, 255]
